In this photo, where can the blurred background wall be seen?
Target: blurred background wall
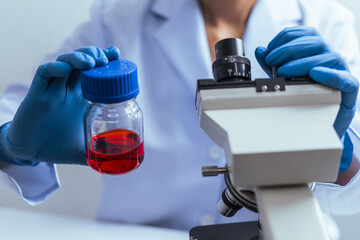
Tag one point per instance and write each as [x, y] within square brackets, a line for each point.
[30, 30]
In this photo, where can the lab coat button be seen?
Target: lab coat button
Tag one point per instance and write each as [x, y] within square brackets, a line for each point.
[206, 219]
[214, 152]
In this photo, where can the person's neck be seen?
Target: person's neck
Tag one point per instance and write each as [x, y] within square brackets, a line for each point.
[226, 12]
[225, 19]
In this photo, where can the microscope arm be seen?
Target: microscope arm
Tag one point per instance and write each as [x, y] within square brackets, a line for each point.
[290, 211]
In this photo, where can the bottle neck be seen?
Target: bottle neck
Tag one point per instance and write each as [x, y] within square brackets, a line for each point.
[124, 103]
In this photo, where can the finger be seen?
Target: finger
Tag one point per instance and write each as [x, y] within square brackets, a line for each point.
[298, 48]
[339, 79]
[348, 85]
[301, 67]
[112, 53]
[74, 83]
[289, 34]
[347, 153]
[343, 119]
[96, 53]
[46, 73]
[78, 60]
[260, 54]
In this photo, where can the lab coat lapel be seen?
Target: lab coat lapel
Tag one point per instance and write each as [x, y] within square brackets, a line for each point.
[266, 20]
[182, 39]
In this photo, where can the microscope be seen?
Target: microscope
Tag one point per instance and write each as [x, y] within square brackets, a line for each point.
[278, 138]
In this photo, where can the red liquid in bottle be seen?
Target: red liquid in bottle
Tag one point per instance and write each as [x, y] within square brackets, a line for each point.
[115, 152]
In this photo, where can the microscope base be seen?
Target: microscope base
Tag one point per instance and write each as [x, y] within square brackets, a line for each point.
[229, 231]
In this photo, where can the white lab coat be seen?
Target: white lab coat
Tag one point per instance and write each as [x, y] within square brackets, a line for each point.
[167, 40]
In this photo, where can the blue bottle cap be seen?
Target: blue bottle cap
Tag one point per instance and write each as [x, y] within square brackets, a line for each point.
[114, 83]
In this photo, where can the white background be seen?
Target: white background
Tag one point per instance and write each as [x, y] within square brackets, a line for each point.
[29, 30]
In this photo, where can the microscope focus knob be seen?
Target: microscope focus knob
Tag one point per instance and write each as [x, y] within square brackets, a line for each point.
[228, 205]
[210, 171]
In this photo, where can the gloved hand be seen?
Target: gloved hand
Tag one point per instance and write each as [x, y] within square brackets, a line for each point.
[48, 125]
[301, 51]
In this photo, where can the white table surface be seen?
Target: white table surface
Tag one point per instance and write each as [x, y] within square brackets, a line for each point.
[30, 225]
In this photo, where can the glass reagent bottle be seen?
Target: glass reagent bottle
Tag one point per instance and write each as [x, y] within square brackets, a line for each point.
[113, 125]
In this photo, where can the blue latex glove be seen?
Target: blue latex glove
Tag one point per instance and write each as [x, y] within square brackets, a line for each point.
[48, 125]
[301, 51]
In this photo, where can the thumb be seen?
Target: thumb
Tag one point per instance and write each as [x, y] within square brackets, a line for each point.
[260, 54]
[45, 73]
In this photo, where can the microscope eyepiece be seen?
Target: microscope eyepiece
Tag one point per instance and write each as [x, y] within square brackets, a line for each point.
[229, 47]
[231, 63]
